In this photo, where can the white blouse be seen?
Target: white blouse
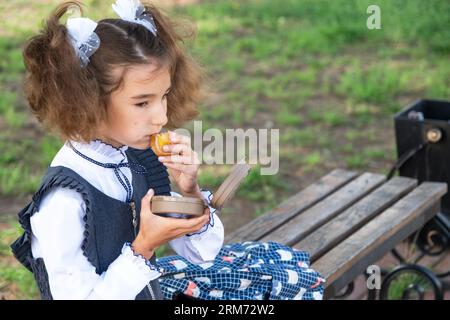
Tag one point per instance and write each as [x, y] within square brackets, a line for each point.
[58, 226]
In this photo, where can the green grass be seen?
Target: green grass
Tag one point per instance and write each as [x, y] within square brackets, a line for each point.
[313, 159]
[264, 190]
[437, 82]
[356, 161]
[14, 273]
[403, 281]
[7, 101]
[48, 148]
[17, 176]
[8, 110]
[26, 285]
[284, 117]
[310, 68]
[257, 187]
[373, 153]
[209, 178]
[377, 84]
[308, 137]
[16, 180]
[330, 118]
[162, 250]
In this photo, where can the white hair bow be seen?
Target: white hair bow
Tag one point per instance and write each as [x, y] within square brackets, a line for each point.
[134, 11]
[83, 38]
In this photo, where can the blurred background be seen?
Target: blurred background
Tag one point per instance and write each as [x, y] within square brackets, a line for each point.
[310, 68]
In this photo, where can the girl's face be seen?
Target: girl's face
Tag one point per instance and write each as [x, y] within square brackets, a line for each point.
[138, 109]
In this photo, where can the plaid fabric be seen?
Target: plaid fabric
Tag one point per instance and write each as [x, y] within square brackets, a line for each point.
[244, 271]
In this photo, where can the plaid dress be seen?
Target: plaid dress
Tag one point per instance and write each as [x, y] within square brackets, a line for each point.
[243, 271]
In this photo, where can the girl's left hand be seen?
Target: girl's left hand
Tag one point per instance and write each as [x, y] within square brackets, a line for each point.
[183, 164]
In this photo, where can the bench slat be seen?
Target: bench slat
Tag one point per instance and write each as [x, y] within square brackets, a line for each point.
[309, 220]
[301, 201]
[336, 230]
[352, 256]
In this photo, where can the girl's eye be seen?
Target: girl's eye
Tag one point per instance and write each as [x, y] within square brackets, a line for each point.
[142, 104]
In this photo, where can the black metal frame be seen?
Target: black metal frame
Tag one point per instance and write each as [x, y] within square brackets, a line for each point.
[434, 237]
[412, 287]
[432, 240]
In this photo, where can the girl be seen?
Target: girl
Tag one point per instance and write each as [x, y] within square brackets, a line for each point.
[89, 232]
[105, 88]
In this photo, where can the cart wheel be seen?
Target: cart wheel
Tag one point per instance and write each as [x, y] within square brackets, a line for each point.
[411, 282]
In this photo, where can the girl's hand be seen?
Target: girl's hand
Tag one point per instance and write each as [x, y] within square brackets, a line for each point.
[183, 164]
[155, 230]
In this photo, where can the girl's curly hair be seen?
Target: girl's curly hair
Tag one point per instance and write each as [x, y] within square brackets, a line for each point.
[72, 101]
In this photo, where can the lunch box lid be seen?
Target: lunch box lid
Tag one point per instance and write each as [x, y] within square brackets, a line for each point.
[228, 188]
[178, 199]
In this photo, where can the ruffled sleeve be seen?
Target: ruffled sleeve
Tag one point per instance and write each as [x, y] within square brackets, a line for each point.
[126, 276]
[204, 244]
[57, 235]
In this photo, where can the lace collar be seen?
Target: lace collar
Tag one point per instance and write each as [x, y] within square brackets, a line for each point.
[100, 150]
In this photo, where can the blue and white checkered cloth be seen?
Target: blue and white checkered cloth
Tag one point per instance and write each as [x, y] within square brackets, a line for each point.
[244, 271]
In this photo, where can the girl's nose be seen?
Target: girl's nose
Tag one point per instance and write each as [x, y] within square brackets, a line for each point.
[160, 117]
[162, 121]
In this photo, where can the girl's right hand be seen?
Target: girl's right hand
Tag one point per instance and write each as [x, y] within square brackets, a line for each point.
[155, 230]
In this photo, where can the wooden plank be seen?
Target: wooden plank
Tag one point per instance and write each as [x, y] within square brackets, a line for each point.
[364, 247]
[288, 209]
[309, 220]
[339, 228]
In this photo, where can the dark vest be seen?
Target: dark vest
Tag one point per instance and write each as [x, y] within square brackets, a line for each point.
[108, 221]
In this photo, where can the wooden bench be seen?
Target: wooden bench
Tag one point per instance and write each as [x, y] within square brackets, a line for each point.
[347, 221]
